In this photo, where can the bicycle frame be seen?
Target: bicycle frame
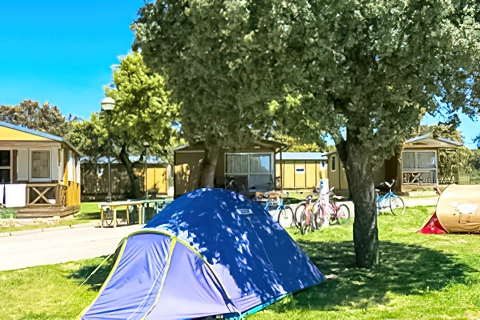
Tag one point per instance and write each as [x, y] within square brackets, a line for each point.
[385, 201]
[278, 203]
[382, 202]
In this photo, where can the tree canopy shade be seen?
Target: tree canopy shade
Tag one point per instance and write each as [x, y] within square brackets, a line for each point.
[217, 67]
[142, 113]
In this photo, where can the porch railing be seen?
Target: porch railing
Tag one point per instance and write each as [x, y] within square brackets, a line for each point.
[46, 194]
[419, 176]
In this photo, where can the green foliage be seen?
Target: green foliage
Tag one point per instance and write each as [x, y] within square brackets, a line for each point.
[33, 116]
[90, 137]
[297, 145]
[7, 213]
[143, 111]
[371, 68]
[475, 160]
[218, 57]
[376, 68]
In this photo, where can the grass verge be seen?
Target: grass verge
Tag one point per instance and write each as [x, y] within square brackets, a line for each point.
[420, 276]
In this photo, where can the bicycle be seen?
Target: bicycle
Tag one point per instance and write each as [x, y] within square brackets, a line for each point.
[389, 200]
[335, 213]
[308, 216]
[282, 212]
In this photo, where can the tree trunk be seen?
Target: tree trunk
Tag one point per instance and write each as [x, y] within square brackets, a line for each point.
[209, 164]
[399, 181]
[135, 191]
[362, 187]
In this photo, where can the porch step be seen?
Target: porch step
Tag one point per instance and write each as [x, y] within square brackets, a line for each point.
[46, 211]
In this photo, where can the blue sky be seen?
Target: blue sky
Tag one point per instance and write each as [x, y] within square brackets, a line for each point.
[61, 52]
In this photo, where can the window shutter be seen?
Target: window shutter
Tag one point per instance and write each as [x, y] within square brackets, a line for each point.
[22, 165]
[54, 163]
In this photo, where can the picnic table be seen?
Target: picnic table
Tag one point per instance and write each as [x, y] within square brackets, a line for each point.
[140, 205]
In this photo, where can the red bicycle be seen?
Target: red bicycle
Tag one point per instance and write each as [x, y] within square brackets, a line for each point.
[333, 211]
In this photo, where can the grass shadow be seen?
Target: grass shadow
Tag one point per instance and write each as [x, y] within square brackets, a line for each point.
[96, 280]
[404, 269]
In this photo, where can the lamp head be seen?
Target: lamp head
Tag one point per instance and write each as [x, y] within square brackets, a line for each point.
[108, 104]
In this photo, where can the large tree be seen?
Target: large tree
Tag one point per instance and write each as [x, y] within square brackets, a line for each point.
[217, 67]
[372, 69]
[142, 113]
[32, 115]
[364, 72]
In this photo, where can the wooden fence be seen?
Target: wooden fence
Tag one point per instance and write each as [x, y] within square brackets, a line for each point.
[95, 185]
[469, 178]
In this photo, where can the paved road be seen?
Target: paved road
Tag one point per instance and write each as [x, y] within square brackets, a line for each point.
[56, 246]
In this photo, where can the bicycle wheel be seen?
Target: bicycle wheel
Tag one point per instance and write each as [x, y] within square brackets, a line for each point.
[397, 206]
[319, 218]
[298, 212]
[285, 217]
[342, 214]
[303, 224]
[291, 215]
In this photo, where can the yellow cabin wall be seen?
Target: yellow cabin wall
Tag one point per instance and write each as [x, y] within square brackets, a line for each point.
[155, 178]
[187, 172]
[7, 134]
[73, 188]
[313, 172]
[18, 141]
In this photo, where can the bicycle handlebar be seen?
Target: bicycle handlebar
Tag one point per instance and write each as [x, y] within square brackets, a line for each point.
[389, 185]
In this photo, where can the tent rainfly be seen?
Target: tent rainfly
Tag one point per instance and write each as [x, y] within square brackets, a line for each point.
[458, 211]
[211, 252]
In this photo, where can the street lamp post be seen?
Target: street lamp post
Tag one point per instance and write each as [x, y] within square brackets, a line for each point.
[146, 145]
[108, 104]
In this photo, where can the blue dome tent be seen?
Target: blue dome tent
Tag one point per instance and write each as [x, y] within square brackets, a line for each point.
[210, 252]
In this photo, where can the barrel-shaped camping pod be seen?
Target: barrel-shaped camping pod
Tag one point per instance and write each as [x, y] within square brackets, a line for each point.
[458, 211]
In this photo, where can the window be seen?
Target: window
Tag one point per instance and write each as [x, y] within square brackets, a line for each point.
[40, 165]
[299, 169]
[426, 160]
[260, 163]
[257, 167]
[334, 160]
[408, 159]
[419, 160]
[419, 166]
[5, 166]
[237, 164]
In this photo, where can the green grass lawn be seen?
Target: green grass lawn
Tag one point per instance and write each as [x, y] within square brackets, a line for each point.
[420, 277]
[88, 213]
